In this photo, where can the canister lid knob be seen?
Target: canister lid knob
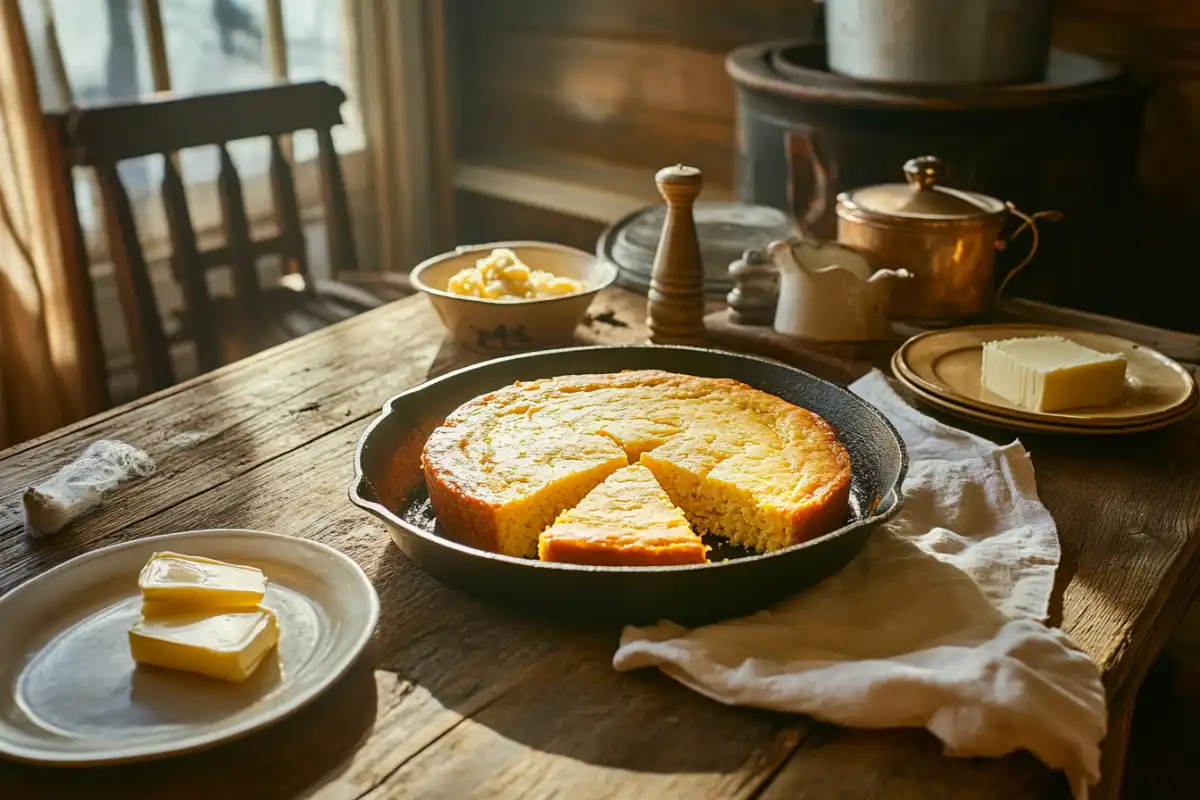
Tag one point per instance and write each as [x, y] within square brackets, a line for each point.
[923, 171]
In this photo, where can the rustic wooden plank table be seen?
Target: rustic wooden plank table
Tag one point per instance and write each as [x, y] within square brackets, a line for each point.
[457, 698]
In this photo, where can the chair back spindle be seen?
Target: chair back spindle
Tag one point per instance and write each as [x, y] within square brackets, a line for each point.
[188, 267]
[337, 208]
[247, 290]
[147, 338]
[287, 213]
[101, 137]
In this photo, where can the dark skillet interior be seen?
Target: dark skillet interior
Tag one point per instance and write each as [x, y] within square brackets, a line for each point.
[388, 484]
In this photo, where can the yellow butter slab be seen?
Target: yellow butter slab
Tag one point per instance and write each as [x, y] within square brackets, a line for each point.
[197, 581]
[1050, 373]
[229, 646]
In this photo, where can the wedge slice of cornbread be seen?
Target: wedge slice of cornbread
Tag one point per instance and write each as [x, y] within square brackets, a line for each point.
[627, 520]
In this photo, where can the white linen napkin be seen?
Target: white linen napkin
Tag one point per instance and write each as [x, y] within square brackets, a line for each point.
[936, 624]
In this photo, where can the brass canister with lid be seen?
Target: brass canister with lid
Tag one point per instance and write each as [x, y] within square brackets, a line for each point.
[947, 239]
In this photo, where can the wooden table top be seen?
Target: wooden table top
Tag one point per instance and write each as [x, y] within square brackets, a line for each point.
[457, 698]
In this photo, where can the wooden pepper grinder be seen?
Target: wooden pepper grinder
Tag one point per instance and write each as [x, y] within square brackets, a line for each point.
[676, 300]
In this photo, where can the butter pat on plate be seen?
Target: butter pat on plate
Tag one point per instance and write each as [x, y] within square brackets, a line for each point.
[1050, 373]
[229, 646]
[171, 578]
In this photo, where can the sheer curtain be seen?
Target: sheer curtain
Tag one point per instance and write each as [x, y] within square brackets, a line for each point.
[400, 56]
[48, 357]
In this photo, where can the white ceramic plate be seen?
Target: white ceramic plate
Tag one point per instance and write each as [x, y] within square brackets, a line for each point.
[946, 363]
[71, 694]
[1019, 424]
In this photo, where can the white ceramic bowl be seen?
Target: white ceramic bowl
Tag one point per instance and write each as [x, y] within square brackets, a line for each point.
[508, 326]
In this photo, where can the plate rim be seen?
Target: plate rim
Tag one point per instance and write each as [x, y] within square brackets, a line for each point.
[902, 371]
[902, 352]
[1034, 426]
[149, 752]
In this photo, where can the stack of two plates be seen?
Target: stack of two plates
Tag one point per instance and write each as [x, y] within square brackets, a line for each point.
[943, 368]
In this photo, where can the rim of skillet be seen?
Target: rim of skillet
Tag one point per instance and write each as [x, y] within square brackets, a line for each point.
[385, 514]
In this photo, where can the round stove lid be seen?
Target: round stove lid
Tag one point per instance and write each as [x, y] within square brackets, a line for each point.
[799, 70]
[724, 230]
[922, 199]
[1065, 70]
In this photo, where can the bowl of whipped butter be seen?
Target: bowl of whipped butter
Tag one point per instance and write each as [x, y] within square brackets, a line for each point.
[505, 297]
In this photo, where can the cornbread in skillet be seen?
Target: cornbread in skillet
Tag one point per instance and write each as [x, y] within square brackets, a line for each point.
[738, 462]
[626, 521]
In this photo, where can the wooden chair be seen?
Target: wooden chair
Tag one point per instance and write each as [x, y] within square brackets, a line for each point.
[255, 316]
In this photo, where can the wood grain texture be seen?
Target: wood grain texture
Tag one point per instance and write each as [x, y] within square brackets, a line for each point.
[600, 123]
[1160, 40]
[712, 25]
[487, 219]
[637, 84]
[838, 362]
[902, 765]
[459, 698]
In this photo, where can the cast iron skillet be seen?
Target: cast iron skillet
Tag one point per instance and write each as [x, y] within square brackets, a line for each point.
[388, 484]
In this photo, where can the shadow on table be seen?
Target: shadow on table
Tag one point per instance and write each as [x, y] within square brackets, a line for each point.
[283, 761]
[1115, 500]
[549, 686]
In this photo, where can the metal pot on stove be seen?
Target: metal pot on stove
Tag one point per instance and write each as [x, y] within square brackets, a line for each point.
[946, 238]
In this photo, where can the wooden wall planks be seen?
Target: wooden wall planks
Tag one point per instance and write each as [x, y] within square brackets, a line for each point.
[488, 219]
[641, 83]
[712, 25]
[1160, 41]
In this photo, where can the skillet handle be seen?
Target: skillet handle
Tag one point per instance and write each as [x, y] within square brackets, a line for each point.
[889, 501]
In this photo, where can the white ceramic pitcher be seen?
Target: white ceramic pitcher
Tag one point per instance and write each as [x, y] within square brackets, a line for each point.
[830, 293]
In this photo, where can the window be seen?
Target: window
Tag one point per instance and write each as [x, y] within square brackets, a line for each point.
[91, 52]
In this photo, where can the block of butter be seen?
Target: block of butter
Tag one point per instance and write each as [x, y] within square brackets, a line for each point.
[171, 578]
[1050, 373]
[229, 646]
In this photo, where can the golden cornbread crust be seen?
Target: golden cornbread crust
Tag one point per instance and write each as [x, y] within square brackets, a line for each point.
[740, 463]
